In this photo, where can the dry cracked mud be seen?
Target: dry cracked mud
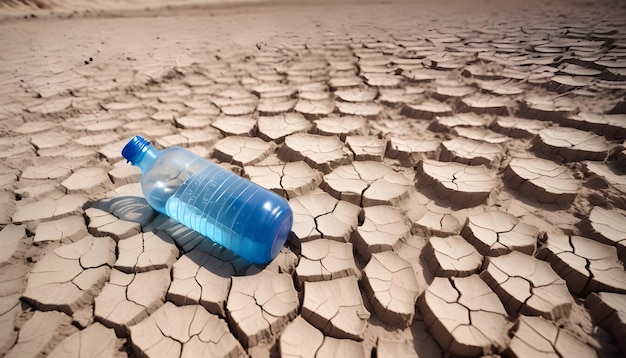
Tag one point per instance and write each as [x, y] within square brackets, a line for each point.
[456, 170]
[464, 315]
[527, 285]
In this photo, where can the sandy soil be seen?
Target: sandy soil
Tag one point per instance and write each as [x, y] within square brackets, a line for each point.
[456, 171]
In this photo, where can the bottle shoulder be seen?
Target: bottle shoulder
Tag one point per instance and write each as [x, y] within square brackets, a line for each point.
[178, 152]
[170, 169]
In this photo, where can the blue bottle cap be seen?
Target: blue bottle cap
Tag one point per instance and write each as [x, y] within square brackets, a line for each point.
[134, 148]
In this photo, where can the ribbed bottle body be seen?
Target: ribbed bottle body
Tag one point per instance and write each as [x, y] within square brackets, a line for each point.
[234, 212]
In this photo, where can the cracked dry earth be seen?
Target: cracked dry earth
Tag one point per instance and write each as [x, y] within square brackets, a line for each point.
[457, 176]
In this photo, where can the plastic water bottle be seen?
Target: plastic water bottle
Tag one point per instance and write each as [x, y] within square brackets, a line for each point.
[242, 216]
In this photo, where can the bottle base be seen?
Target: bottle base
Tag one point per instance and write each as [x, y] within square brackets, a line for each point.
[281, 237]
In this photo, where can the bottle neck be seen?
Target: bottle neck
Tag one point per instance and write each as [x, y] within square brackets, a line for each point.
[147, 158]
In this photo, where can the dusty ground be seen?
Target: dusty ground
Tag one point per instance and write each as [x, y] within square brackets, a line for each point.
[456, 170]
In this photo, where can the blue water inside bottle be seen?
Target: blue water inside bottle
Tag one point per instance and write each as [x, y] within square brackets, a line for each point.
[230, 210]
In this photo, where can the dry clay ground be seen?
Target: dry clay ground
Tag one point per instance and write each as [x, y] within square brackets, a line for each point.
[456, 175]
